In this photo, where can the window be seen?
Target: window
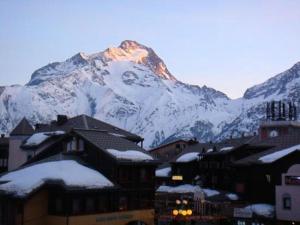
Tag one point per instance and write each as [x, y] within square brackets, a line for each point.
[76, 206]
[177, 145]
[102, 204]
[81, 145]
[240, 222]
[268, 177]
[124, 175]
[4, 162]
[143, 174]
[58, 205]
[123, 203]
[89, 205]
[29, 156]
[287, 202]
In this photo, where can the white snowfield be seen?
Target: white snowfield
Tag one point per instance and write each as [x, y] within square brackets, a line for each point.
[38, 138]
[279, 154]
[164, 172]
[23, 181]
[132, 155]
[262, 209]
[188, 157]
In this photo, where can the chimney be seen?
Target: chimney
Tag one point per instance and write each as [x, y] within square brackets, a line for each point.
[268, 111]
[279, 111]
[61, 119]
[290, 111]
[272, 110]
[283, 111]
[295, 112]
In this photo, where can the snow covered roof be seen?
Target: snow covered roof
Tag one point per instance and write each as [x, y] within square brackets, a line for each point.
[25, 180]
[133, 155]
[188, 157]
[272, 157]
[164, 172]
[185, 188]
[39, 138]
[261, 209]
[226, 148]
[232, 196]
[210, 192]
[85, 122]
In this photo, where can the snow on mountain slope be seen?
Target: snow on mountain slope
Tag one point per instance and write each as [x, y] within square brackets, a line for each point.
[130, 86]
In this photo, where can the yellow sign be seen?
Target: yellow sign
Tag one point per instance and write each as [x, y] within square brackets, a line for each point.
[177, 177]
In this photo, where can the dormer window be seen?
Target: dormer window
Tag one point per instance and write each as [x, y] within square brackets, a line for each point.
[75, 144]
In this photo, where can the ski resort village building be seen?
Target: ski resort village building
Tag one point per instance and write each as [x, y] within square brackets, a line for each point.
[76, 171]
[243, 181]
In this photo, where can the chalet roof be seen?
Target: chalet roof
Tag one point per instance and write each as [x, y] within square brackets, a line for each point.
[275, 144]
[165, 144]
[105, 141]
[232, 144]
[88, 123]
[23, 128]
[219, 148]
[68, 174]
[37, 140]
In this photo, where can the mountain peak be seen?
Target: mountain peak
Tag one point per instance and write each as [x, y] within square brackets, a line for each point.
[131, 45]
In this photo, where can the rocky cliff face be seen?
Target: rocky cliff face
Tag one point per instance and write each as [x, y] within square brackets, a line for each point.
[130, 86]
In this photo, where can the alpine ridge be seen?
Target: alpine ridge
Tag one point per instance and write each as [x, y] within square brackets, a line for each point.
[130, 86]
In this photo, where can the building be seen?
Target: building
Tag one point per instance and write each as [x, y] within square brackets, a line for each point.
[248, 167]
[26, 142]
[167, 151]
[288, 197]
[83, 171]
[16, 155]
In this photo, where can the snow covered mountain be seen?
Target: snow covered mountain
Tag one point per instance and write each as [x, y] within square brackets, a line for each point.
[130, 86]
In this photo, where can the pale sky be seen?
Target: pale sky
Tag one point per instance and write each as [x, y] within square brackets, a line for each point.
[227, 45]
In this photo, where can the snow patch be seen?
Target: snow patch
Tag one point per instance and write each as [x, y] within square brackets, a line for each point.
[232, 196]
[279, 154]
[261, 209]
[38, 138]
[188, 157]
[164, 172]
[133, 155]
[23, 181]
[185, 188]
[210, 192]
[226, 148]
